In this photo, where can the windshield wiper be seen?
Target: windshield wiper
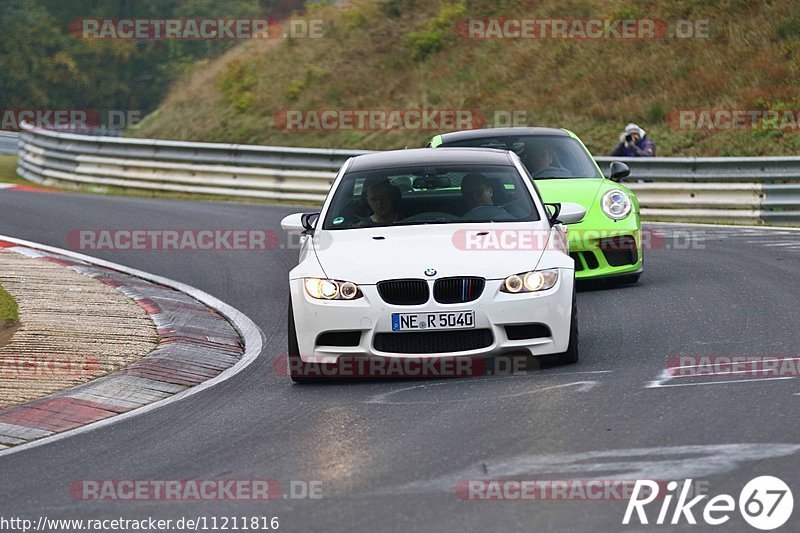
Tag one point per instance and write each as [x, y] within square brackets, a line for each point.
[564, 177]
[430, 221]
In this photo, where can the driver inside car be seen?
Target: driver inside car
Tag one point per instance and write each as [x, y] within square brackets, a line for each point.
[542, 162]
[382, 198]
[478, 196]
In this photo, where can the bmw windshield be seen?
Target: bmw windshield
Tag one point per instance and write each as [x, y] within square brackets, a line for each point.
[443, 194]
[545, 156]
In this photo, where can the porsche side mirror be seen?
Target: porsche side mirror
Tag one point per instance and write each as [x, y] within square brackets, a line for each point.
[618, 170]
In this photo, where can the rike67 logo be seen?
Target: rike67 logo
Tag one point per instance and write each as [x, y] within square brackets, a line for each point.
[765, 503]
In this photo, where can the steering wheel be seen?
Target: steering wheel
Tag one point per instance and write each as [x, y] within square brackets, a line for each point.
[549, 171]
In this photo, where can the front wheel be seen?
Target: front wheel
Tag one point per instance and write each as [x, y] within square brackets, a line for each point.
[297, 369]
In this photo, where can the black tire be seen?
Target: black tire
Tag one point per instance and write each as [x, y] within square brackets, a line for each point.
[571, 355]
[296, 365]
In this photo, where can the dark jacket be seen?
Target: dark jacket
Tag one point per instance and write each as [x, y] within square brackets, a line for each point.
[644, 148]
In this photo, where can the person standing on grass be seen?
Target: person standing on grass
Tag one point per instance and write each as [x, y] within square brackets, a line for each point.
[634, 143]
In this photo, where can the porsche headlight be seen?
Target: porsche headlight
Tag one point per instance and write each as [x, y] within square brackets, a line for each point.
[616, 204]
[331, 289]
[533, 281]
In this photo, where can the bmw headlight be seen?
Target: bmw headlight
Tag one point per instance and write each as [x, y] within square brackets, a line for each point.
[533, 281]
[616, 204]
[331, 289]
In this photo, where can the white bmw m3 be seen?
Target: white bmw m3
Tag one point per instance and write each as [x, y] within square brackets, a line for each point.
[432, 254]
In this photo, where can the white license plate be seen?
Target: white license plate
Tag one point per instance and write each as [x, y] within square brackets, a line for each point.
[429, 321]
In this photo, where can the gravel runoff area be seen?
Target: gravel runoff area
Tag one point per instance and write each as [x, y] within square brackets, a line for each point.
[73, 329]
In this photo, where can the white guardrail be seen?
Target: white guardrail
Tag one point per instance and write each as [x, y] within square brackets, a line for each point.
[743, 190]
[8, 142]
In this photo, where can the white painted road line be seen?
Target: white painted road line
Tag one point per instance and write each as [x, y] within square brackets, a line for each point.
[667, 375]
[663, 462]
[384, 398]
[654, 385]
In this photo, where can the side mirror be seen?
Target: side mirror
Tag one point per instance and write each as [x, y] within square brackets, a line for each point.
[300, 222]
[309, 221]
[566, 213]
[618, 170]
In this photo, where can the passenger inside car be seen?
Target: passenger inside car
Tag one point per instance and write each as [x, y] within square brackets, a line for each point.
[476, 191]
[478, 196]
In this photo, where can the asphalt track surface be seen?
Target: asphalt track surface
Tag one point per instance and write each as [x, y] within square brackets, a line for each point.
[389, 454]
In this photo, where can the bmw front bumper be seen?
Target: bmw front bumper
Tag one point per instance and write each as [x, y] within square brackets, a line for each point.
[535, 323]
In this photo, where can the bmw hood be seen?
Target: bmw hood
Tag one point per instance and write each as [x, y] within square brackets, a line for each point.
[492, 251]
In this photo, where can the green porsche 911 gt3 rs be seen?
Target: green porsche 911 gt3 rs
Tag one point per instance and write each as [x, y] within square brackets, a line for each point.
[607, 242]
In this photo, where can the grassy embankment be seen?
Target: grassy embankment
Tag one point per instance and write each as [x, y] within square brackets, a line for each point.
[9, 315]
[401, 54]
